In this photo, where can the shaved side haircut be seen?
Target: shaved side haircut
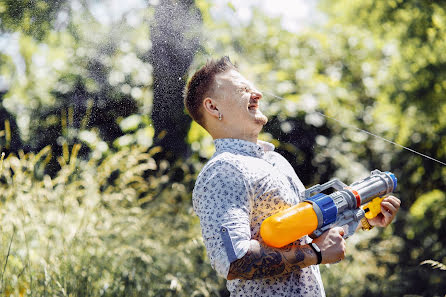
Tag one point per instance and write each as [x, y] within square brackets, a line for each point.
[201, 86]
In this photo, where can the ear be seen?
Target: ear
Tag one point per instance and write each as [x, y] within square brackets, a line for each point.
[210, 106]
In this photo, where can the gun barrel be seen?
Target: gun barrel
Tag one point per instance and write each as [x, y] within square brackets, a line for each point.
[378, 184]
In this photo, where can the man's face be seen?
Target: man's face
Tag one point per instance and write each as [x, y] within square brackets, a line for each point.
[238, 102]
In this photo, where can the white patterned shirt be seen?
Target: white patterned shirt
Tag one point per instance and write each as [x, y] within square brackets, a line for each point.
[241, 185]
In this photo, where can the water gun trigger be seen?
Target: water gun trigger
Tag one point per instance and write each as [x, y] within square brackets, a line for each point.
[373, 208]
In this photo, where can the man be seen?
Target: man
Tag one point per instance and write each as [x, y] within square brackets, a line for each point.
[244, 183]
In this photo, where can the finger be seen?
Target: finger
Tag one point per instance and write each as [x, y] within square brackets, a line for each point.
[341, 231]
[388, 215]
[389, 207]
[393, 200]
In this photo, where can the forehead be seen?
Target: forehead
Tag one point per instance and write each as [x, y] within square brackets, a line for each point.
[231, 77]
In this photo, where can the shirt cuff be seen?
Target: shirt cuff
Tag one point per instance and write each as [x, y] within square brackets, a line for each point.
[236, 245]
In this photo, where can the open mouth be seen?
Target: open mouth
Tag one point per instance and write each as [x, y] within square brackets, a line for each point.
[253, 107]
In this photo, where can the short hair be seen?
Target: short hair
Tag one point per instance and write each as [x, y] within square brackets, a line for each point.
[201, 84]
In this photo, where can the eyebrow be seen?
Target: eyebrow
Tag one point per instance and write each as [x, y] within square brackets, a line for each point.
[245, 85]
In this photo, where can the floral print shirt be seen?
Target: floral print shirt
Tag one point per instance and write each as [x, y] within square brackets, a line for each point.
[241, 185]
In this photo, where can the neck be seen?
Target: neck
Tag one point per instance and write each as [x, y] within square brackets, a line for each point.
[226, 133]
[219, 130]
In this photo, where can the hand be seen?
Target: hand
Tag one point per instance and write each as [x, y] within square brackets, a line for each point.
[389, 208]
[332, 245]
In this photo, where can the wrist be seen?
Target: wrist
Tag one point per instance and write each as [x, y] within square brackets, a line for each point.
[317, 251]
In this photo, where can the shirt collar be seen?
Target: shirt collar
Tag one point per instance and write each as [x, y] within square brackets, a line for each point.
[240, 146]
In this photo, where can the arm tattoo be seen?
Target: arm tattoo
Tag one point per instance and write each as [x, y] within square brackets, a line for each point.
[299, 257]
[262, 261]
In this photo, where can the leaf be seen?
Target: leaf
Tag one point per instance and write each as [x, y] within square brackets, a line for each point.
[434, 264]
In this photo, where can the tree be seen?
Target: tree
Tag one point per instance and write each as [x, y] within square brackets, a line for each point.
[71, 80]
[175, 40]
[409, 34]
[33, 18]
[377, 66]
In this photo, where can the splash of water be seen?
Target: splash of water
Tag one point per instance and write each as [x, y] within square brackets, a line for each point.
[367, 132]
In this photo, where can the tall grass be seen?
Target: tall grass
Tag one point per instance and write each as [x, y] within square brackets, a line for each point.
[123, 225]
[120, 226]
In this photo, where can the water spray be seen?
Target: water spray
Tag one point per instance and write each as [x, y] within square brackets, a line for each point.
[367, 132]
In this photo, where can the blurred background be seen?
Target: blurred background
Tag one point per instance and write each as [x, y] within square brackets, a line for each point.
[101, 158]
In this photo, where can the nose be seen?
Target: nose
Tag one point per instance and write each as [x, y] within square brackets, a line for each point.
[256, 95]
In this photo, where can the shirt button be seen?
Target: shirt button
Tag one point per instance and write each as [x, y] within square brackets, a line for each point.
[223, 229]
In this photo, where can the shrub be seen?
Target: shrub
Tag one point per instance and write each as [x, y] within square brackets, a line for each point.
[98, 228]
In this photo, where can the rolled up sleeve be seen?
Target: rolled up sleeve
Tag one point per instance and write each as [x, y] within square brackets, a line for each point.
[221, 201]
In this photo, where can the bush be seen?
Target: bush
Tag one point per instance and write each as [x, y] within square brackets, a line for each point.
[98, 228]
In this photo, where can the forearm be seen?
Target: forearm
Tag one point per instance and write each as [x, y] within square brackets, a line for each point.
[262, 261]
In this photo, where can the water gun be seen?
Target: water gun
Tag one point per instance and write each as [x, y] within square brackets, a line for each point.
[345, 207]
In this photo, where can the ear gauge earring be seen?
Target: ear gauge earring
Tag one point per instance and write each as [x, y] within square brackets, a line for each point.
[219, 116]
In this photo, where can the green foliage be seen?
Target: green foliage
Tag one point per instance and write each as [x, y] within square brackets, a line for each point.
[378, 66]
[427, 202]
[33, 18]
[81, 76]
[114, 222]
[434, 264]
[98, 228]
[407, 33]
